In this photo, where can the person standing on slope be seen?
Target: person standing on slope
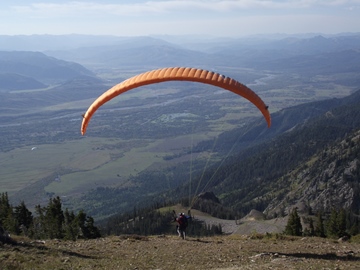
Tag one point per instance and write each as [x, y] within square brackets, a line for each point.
[182, 224]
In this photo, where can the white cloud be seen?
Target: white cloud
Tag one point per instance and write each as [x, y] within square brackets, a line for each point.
[178, 16]
[156, 7]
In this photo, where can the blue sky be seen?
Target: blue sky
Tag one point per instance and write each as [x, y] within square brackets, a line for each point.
[179, 17]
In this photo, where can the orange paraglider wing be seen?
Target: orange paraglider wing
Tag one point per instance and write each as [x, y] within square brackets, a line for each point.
[177, 74]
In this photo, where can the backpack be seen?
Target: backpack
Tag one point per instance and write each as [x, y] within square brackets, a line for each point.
[182, 220]
[186, 219]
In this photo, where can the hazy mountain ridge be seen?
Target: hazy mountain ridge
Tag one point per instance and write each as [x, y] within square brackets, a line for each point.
[76, 89]
[315, 55]
[311, 56]
[13, 81]
[55, 81]
[304, 45]
[54, 42]
[322, 63]
[144, 58]
[313, 42]
[39, 66]
[155, 56]
[265, 52]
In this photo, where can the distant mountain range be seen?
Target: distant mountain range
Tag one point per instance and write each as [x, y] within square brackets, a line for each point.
[54, 42]
[37, 68]
[285, 53]
[33, 57]
[312, 42]
[315, 53]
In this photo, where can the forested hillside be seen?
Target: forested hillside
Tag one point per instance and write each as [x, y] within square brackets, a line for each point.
[270, 170]
[283, 121]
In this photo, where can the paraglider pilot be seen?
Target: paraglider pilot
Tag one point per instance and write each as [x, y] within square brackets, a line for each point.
[182, 224]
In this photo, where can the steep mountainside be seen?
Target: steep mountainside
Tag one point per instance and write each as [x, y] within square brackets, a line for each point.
[329, 179]
[283, 121]
[135, 54]
[308, 164]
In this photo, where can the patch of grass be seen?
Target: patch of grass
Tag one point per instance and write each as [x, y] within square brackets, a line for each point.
[72, 105]
[355, 239]
[23, 166]
[113, 172]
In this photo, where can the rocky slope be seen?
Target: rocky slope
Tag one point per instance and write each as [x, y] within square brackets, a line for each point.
[329, 179]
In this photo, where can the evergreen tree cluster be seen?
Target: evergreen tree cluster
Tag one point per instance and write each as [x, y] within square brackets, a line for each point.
[49, 222]
[338, 223]
[152, 221]
[210, 207]
[294, 227]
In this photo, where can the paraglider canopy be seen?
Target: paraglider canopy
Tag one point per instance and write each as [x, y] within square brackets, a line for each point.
[177, 74]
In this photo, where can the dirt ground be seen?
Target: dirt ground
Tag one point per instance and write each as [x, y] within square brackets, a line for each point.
[248, 225]
[171, 252]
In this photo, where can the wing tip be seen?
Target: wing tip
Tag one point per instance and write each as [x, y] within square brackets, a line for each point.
[268, 119]
[83, 128]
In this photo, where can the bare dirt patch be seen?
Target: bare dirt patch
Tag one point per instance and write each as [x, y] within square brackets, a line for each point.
[253, 223]
[171, 252]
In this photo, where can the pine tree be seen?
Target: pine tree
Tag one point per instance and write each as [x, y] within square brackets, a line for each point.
[336, 224]
[23, 217]
[332, 224]
[54, 219]
[80, 219]
[293, 226]
[48, 223]
[92, 231]
[38, 228]
[341, 223]
[319, 228]
[86, 225]
[71, 227]
[5, 209]
[10, 223]
[7, 220]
